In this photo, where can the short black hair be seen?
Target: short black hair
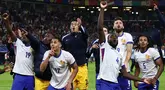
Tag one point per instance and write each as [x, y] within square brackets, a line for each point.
[58, 37]
[118, 18]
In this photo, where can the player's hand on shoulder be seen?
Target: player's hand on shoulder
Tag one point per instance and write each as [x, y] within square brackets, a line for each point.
[103, 4]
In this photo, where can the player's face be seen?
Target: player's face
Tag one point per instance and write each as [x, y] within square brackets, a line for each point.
[47, 38]
[55, 44]
[105, 31]
[118, 26]
[74, 26]
[143, 42]
[112, 40]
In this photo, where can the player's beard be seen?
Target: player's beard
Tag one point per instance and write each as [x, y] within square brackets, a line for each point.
[119, 30]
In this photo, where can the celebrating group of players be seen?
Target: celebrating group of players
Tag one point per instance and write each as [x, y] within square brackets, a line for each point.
[60, 64]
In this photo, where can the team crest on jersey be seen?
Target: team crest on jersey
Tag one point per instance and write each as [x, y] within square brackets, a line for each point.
[123, 41]
[147, 57]
[31, 50]
[62, 62]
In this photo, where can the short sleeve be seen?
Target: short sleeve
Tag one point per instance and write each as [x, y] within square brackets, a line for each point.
[70, 59]
[129, 39]
[155, 54]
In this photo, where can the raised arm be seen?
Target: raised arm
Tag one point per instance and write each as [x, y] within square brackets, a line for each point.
[81, 28]
[103, 5]
[159, 15]
[5, 17]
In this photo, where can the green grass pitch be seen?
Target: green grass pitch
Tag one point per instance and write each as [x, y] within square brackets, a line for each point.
[6, 79]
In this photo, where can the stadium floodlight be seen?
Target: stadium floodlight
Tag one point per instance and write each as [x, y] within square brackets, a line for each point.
[149, 9]
[105, 9]
[92, 11]
[128, 7]
[81, 7]
[114, 7]
[132, 12]
[137, 13]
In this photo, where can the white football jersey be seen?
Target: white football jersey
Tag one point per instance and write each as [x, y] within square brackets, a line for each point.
[123, 40]
[24, 59]
[146, 62]
[59, 67]
[111, 63]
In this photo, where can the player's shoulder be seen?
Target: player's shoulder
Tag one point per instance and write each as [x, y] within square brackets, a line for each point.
[151, 49]
[127, 34]
[66, 53]
[65, 36]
